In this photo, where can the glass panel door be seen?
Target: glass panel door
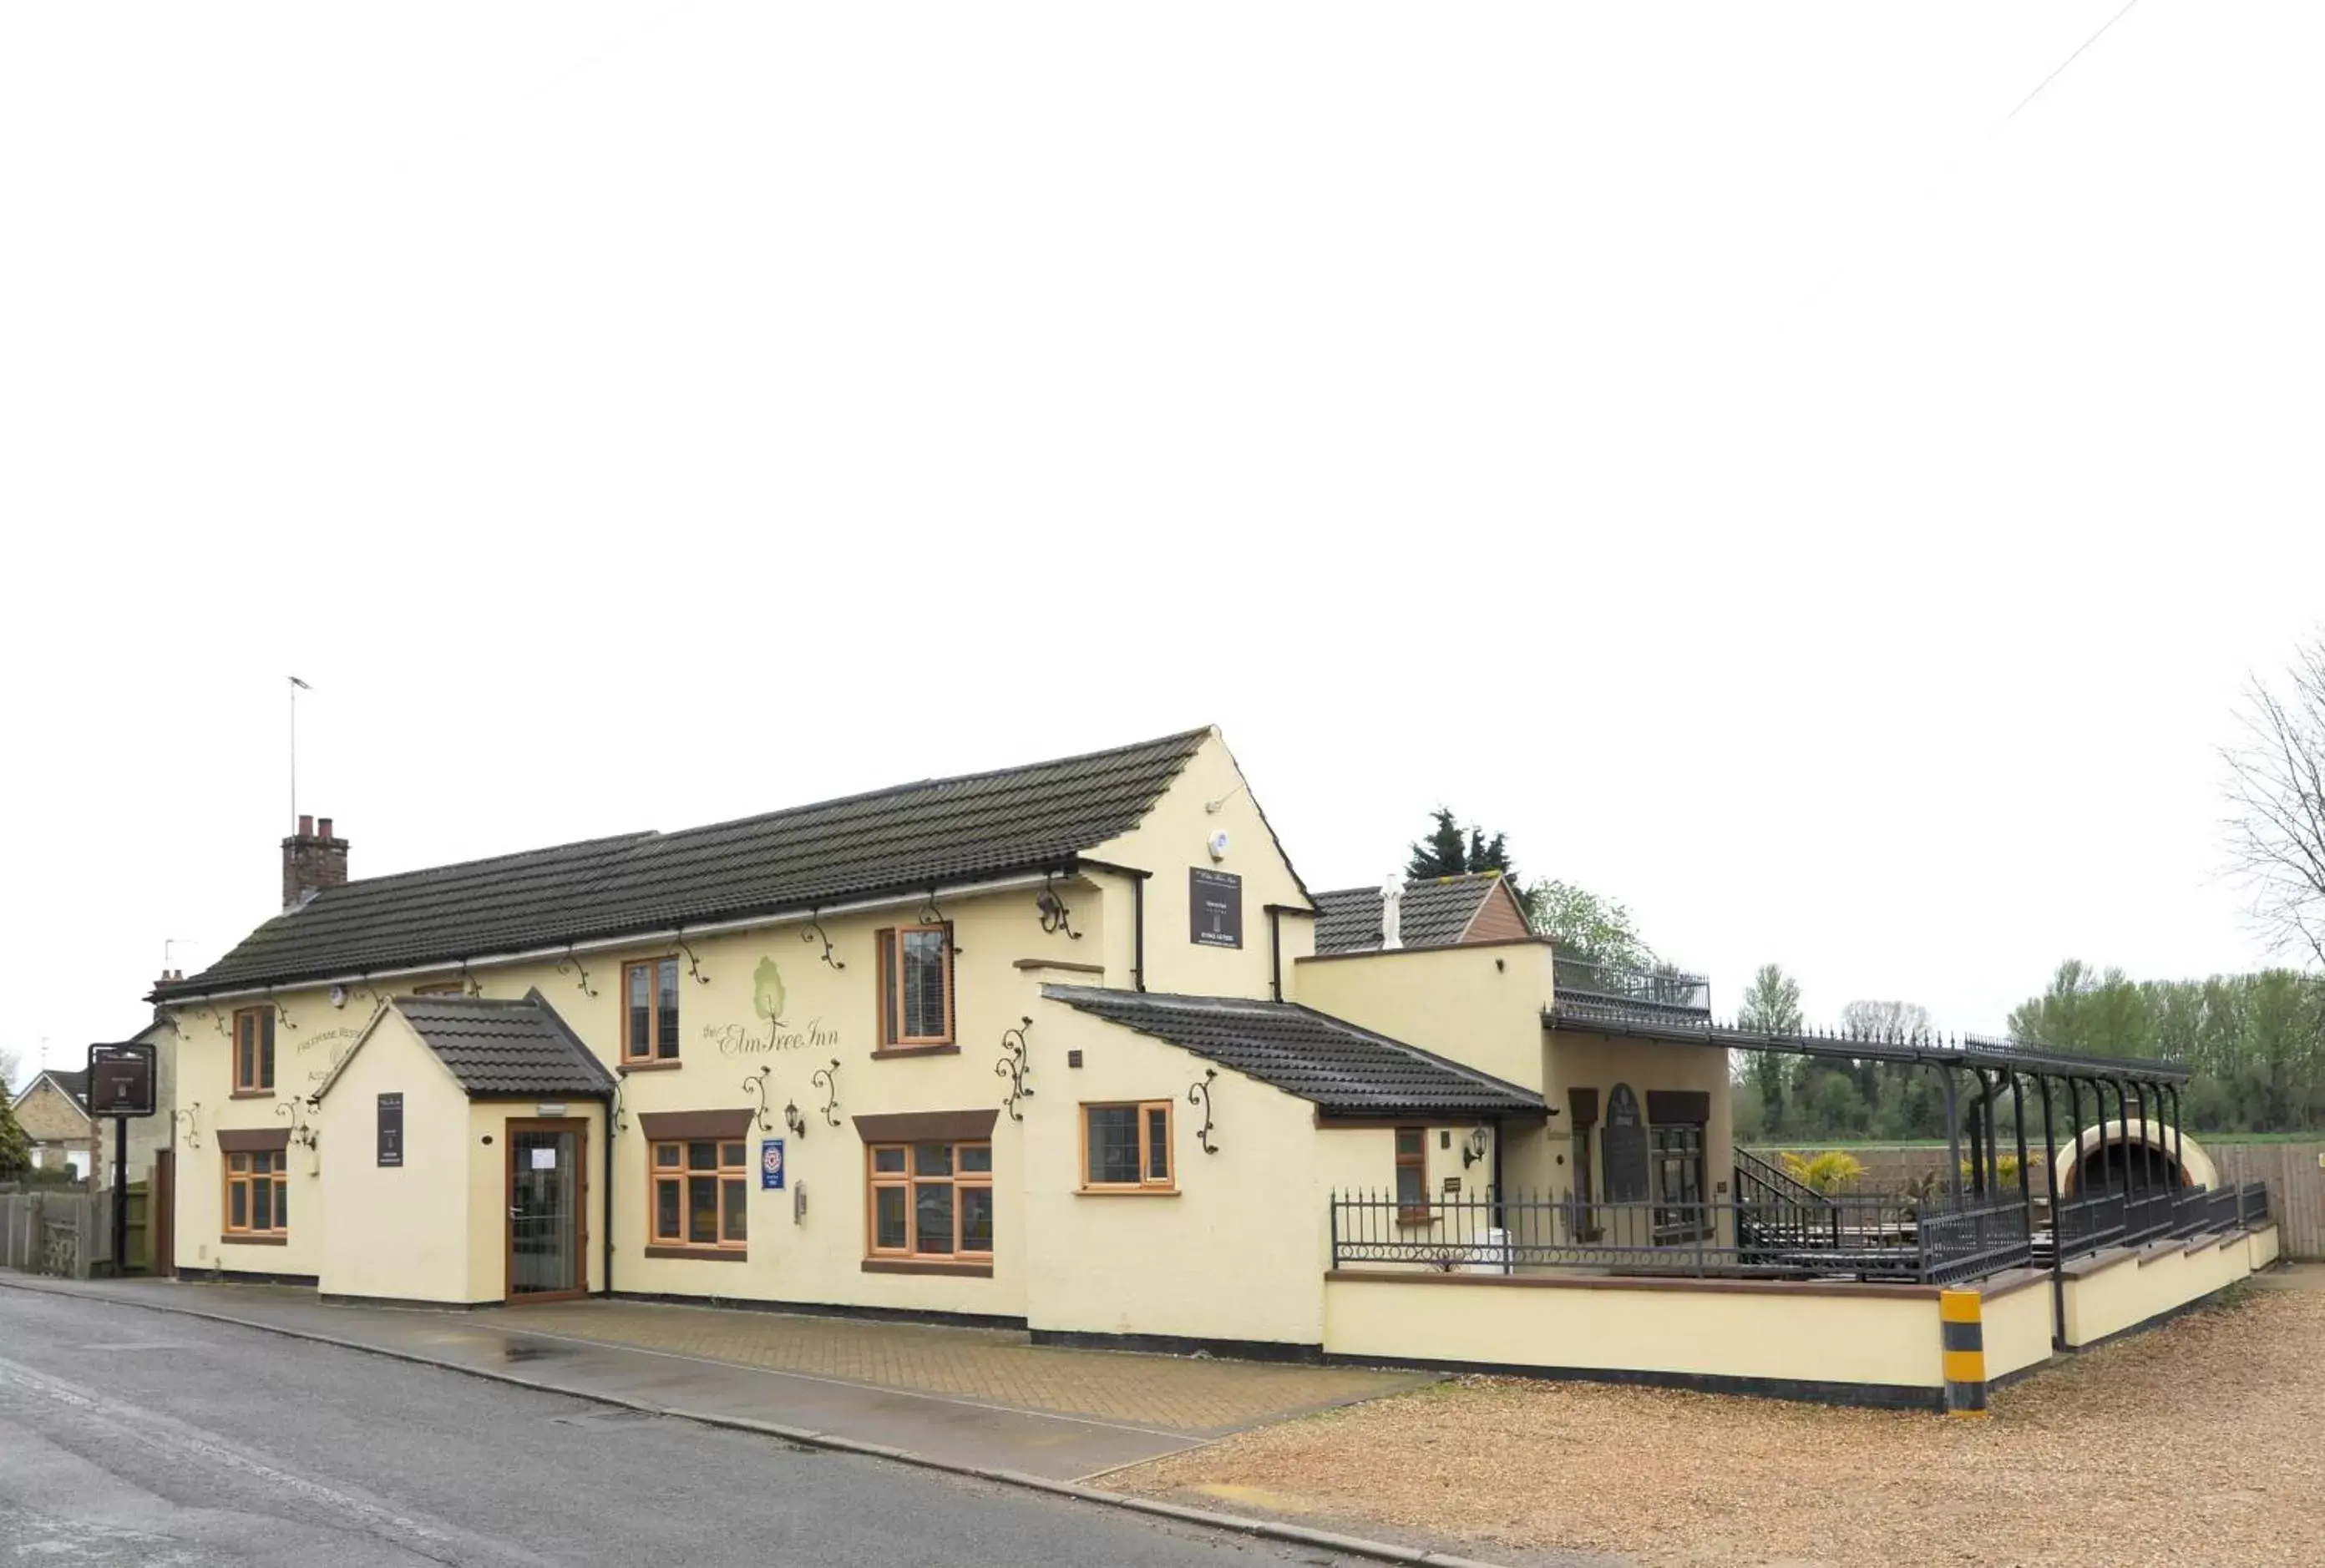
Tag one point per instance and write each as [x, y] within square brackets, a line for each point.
[545, 1214]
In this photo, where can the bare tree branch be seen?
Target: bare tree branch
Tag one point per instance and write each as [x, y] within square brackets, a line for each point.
[2276, 792]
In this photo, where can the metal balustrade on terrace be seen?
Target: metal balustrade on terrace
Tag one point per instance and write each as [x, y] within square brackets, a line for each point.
[1584, 988]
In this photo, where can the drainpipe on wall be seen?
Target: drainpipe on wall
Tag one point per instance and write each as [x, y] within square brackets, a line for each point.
[1275, 953]
[606, 1284]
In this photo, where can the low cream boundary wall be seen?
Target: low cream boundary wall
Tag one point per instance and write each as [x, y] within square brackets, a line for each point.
[2017, 1327]
[1855, 1343]
[1883, 1342]
[2122, 1289]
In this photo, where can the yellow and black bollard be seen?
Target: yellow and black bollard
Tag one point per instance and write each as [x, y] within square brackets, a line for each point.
[1960, 1318]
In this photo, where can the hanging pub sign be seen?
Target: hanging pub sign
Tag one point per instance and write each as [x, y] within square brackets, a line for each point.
[120, 1080]
[390, 1129]
[1214, 908]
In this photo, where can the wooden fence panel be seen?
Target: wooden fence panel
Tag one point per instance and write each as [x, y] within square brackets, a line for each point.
[50, 1232]
[2296, 1187]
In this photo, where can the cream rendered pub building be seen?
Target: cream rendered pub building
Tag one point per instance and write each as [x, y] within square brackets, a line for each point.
[1050, 1045]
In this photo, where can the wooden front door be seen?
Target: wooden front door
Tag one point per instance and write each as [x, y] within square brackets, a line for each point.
[548, 1210]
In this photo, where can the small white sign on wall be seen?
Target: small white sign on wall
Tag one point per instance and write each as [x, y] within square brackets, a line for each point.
[544, 1158]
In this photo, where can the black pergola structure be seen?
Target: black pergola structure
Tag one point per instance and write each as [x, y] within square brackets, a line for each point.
[2124, 1196]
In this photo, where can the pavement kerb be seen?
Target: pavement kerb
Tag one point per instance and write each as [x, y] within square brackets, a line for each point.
[1265, 1529]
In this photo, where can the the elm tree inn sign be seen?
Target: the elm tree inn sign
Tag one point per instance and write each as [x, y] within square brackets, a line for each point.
[1214, 908]
[120, 1085]
[120, 1080]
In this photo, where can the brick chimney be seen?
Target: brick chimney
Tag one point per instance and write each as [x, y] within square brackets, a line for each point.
[313, 860]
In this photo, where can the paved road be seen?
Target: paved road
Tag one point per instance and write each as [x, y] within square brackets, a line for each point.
[132, 1437]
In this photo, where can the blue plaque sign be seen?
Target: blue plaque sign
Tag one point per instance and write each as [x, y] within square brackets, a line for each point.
[770, 1165]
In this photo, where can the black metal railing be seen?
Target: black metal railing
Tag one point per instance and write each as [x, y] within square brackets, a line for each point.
[2088, 1224]
[2146, 1216]
[1848, 1236]
[1583, 984]
[2113, 1218]
[1761, 1181]
[1975, 1242]
[2252, 1202]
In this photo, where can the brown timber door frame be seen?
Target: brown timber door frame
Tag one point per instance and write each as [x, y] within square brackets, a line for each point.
[162, 1213]
[579, 1128]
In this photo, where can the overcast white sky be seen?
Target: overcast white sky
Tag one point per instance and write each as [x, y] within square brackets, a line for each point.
[1711, 443]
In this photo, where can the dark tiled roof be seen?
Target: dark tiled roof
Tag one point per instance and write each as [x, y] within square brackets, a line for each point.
[908, 838]
[497, 1046]
[1433, 914]
[74, 1084]
[1345, 1070]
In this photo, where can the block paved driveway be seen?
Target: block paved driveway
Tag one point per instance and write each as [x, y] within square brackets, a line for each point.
[1197, 1396]
[982, 1398]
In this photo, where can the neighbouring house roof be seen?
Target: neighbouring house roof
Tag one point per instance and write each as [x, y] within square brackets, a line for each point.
[1434, 913]
[1346, 1071]
[494, 1047]
[72, 1085]
[911, 837]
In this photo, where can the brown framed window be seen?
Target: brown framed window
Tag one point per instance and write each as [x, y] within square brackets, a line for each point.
[650, 1011]
[257, 1195]
[1126, 1148]
[931, 1201]
[701, 1188]
[916, 985]
[254, 1050]
[1412, 1174]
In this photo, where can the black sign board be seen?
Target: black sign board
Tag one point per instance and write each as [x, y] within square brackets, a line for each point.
[1214, 909]
[120, 1080]
[390, 1129]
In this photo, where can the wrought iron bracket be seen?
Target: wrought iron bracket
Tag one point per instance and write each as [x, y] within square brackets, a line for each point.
[828, 1080]
[217, 1021]
[1055, 915]
[693, 965]
[298, 1113]
[572, 963]
[1200, 1094]
[191, 1118]
[364, 987]
[756, 1084]
[814, 931]
[620, 1109]
[470, 984]
[1013, 1066]
[281, 1012]
[931, 916]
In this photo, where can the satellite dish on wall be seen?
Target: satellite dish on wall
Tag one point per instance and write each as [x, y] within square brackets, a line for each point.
[1219, 844]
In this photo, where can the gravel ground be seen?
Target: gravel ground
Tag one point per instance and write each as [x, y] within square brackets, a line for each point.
[2202, 1442]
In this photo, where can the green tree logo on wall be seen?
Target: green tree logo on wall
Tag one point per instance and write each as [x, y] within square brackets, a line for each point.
[767, 992]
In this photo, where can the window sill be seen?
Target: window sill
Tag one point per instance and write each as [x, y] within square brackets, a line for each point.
[937, 1049]
[254, 1241]
[655, 1066]
[702, 1254]
[1126, 1192]
[252, 1094]
[915, 1265]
